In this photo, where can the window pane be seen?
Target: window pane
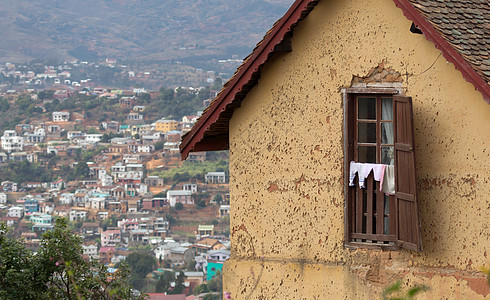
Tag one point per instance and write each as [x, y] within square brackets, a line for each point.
[387, 156]
[366, 108]
[387, 109]
[387, 133]
[367, 133]
[367, 154]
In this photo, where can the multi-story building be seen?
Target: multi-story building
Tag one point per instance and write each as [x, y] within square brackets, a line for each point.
[40, 218]
[179, 196]
[15, 212]
[61, 116]
[11, 142]
[215, 177]
[166, 125]
[37, 136]
[78, 215]
[90, 251]
[110, 238]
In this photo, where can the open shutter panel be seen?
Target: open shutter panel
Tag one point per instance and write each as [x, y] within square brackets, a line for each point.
[406, 204]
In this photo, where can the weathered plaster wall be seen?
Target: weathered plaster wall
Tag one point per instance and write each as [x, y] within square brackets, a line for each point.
[286, 165]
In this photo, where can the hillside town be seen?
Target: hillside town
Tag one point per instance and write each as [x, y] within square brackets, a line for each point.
[120, 184]
[78, 74]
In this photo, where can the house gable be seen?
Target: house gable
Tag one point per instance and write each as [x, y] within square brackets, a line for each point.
[466, 52]
[286, 162]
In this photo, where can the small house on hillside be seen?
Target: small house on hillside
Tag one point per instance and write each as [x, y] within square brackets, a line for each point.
[358, 134]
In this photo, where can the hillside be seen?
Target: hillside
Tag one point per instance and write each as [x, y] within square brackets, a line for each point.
[131, 30]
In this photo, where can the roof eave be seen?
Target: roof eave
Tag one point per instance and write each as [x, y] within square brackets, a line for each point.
[193, 140]
[447, 50]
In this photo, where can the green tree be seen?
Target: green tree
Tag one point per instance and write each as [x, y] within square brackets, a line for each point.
[4, 104]
[218, 198]
[216, 284]
[163, 284]
[57, 271]
[16, 274]
[179, 284]
[159, 145]
[81, 170]
[202, 288]
[179, 206]
[140, 263]
[160, 195]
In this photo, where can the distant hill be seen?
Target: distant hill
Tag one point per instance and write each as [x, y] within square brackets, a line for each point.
[133, 30]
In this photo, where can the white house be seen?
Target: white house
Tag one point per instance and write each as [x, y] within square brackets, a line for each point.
[3, 198]
[11, 142]
[190, 187]
[66, 198]
[37, 136]
[110, 238]
[139, 148]
[78, 215]
[179, 196]
[74, 134]
[93, 138]
[91, 251]
[215, 177]
[15, 212]
[61, 116]
[97, 203]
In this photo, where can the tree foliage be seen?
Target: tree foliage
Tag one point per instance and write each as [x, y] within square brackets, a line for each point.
[179, 103]
[179, 284]
[163, 284]
[25, 171]
[57, 271]
[179, 206]
[140, 263]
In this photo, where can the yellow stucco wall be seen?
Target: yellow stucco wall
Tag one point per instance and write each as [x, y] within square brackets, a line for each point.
[286, 166]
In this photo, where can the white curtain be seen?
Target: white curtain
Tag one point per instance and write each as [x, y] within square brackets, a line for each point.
[387, 114]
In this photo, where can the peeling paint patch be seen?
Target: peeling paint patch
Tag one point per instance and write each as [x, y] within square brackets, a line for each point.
[476, 283]
[379, 74]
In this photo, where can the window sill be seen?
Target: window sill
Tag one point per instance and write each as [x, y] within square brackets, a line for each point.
[363, 245]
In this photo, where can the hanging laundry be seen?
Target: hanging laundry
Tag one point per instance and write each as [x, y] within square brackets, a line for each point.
[388, 186]
[383, 173]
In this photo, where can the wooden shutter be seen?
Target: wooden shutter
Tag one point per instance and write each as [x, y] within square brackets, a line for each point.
[406, 204]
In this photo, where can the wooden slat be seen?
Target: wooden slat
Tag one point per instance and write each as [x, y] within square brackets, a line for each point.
[364, 90]
[405, 196]
[392, 215]
[352, 212]
[380, 210]
[374, 237]
[369, 214]
[359, 211]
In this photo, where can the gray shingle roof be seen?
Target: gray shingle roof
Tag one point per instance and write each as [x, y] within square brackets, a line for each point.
[465, 24]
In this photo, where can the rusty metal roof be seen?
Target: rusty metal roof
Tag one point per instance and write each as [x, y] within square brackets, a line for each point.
[459, 28]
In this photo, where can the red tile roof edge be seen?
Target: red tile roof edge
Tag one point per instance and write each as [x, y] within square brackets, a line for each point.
[451, 54]
[251, 65]
[275, 36]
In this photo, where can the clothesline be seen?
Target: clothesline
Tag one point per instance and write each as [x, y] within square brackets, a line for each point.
[385, 174]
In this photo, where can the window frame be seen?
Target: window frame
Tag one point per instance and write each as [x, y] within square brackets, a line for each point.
[350, 139]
